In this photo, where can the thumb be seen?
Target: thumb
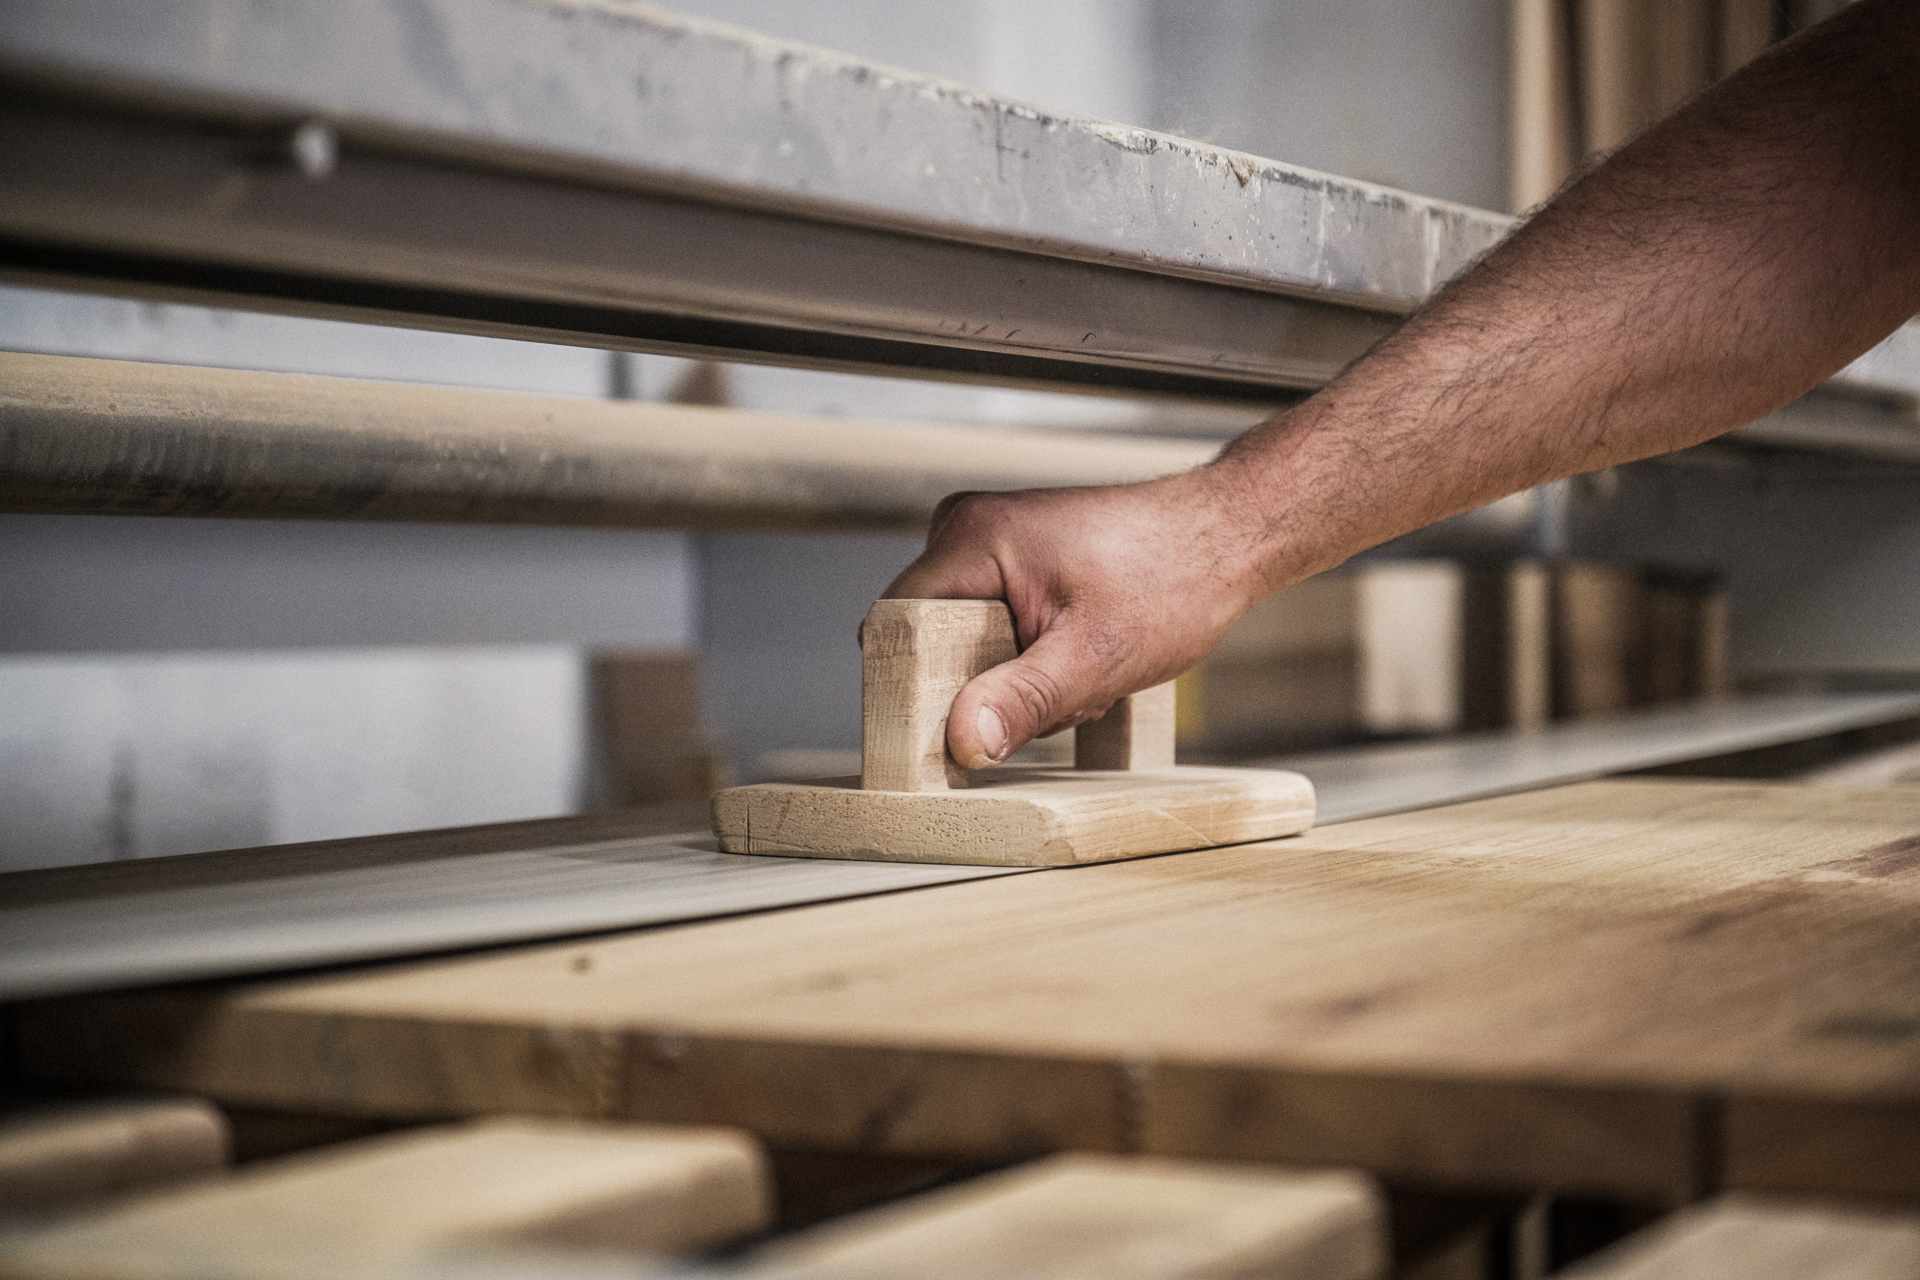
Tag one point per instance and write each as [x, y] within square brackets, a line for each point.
[1055, 683]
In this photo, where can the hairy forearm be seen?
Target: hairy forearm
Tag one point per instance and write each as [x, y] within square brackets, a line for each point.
[1719, 266]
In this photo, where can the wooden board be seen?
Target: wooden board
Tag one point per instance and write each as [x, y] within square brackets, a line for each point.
[1643, 988]
[1017, 816]
[55, 1155]
[1100, 1217]
[1742, 1238]
[384, 1206]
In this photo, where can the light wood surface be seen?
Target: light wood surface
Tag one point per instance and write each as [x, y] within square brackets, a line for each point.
[55, 1155]
[1643, 988]
[915, 655]
[1099, 1217]
[383, 1206]
[1743, 1238]
[1136, 733]
[1020, 816]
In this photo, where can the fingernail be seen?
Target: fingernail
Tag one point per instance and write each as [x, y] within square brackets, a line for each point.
[993, 734]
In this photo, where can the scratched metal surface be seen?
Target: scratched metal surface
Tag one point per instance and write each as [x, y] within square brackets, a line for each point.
[254, 911]
[1391, 779]
[700, 107]
[123, 924]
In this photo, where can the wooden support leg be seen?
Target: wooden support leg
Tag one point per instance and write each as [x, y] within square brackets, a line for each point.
[1136, 733]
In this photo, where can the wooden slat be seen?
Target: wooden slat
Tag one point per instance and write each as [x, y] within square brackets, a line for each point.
[122, 437]
[1103, 1216]
[1578, 989]
[382, 1206]
[1738, 1238]
[58, 1154]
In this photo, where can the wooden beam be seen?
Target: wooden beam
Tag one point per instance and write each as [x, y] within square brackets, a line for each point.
[384, 1206]
[1074, 1217]
[123, 438]
[1744, 1238]
[55, 1155]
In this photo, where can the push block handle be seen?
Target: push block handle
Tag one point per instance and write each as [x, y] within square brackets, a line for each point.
[1136, 733]
[915, 656]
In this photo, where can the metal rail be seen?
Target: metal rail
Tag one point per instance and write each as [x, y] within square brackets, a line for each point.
[71, 929]
[630, 178]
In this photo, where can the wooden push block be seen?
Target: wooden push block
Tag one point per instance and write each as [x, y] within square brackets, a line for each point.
[1112, 1217]
[389, 1206]
[1124, 799]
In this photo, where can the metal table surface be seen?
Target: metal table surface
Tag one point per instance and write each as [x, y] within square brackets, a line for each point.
[72, 929]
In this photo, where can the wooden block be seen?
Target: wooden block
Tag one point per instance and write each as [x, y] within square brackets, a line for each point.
[914, 804]
[56, 1155]
[1742, 1238]
[1136, 733]
[1571, 989]
[1103, 1216]
[1018, 817]
[383, 1206]
[915, 656]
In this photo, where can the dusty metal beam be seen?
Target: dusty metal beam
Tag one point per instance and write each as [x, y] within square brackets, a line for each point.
[630, 178]
[119, 437]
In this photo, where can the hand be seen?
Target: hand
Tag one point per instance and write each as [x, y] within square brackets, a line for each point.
[1113, 590]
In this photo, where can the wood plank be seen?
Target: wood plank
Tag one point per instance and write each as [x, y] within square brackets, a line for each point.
[1560, 989]
[1742, 1238]
[384, 1206]
[124, 437]
[1103, 1216]
[55, 1155]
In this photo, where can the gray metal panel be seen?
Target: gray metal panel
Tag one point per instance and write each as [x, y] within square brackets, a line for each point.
[209, 915]
[252, 911]
[1368, 782]
[163, 208]
[646, 99]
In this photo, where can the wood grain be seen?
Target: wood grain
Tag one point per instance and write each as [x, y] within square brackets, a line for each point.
[1017, 816]
[1621, 988]
[1744, 1238]
[1136, 733]
[55, 1155]
[1135, 1218]
[383, 1206]
[915, 655]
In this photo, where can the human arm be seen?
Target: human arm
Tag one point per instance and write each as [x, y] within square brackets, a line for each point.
[1722, 264]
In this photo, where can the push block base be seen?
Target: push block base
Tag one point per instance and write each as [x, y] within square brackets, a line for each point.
[1017, 817]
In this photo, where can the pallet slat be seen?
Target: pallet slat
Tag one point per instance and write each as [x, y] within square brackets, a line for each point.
[384, 1205]
[1094, 1217]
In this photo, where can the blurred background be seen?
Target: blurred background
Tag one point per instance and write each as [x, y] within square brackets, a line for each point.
[169, 686]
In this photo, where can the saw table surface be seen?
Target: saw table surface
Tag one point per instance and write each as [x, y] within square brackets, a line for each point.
[1643, 988]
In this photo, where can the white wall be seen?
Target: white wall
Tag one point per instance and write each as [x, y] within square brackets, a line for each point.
[135, 756]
